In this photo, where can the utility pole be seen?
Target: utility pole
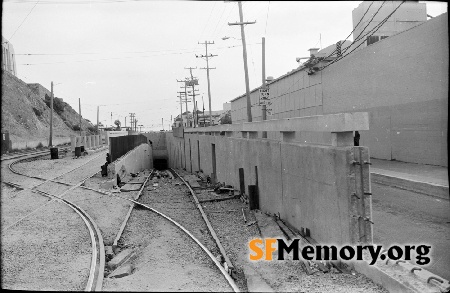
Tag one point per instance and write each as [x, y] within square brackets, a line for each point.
[203, 111]
[50, 142]
[192, 83]
[181, 111]
[185, 99]
[79, 105]
[247, 87]
[264, 107]
[162, 122]
[132, 120]
[98, 111]
[125, 122]
[206, 43]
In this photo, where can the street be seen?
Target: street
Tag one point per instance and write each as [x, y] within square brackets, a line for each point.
[405, 217]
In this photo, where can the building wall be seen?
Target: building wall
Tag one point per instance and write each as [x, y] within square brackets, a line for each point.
[402, 81]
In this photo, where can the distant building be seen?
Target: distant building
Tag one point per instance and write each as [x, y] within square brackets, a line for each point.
[401, 81]
[8, 58]
[408, 15]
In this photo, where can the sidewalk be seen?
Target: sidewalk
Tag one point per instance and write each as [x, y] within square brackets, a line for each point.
[427, 179]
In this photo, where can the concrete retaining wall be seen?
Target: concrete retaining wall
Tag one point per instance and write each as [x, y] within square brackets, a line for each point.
[309, 186]
[136, 160]
[20, 145]
[89, 142]
[158, 139]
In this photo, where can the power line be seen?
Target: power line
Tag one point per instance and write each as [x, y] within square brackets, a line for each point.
[206, 43]
[367, 10]
[23, 20]
[107, 59]
[374, 29]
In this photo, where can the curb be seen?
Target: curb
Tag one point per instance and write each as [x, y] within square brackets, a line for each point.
[435, 190]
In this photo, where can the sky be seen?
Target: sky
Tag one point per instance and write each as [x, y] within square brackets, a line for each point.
[126, 56]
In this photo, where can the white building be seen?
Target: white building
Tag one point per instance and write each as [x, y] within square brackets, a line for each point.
[8, 58]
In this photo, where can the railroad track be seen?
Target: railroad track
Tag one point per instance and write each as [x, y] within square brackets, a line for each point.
[224, 270]
[95, 279]
[20, 154]
[97, 263]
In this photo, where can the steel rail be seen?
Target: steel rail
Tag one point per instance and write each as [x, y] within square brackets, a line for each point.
[10, 166]
[213, 258]
[95, 280]
[19, 155]
[208, 224]
[96, 275]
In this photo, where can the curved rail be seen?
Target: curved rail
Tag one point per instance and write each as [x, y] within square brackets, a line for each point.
[216, 262]
[96, 275]
[12, 156]
[208, 224]
[10, 166]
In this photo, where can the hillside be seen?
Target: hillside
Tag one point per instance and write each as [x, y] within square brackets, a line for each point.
[26, 115]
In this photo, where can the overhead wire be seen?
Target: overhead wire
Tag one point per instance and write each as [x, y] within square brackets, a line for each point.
[371, 32]
[23, 20]
[335, 50]
[354, 28]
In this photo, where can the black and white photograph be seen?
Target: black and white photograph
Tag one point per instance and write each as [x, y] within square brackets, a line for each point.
[225, 146]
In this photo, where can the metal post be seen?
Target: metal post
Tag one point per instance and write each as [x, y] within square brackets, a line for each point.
[50, 142]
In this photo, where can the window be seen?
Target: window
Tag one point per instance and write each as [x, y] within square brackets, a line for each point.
[372, 39]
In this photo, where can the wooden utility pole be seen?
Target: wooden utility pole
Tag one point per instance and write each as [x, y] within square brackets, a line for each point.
[186, 100]
[181, 110]
[98, 110]
[264, 107]
[162, 122]
[206, 43]
[79, 106]
[132, 121]
[193, 82]
[50, 140]
[247, 86]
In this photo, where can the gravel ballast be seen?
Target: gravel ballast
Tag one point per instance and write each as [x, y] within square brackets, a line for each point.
[50, 250]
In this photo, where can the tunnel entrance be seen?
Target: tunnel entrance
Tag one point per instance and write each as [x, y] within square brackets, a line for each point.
[160, 164]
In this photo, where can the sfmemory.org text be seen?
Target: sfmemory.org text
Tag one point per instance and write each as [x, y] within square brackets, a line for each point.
[262, 249]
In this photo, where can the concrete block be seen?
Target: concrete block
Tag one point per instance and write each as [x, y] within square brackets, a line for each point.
[119, 259]
[122, 271]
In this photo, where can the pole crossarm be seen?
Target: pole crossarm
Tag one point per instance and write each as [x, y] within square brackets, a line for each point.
[242, 23]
